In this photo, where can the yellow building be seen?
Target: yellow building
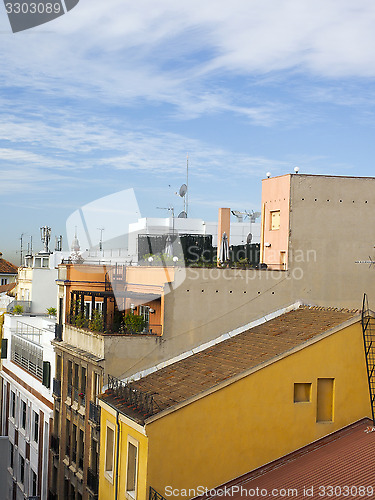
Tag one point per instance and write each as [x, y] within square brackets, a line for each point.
[233, 405]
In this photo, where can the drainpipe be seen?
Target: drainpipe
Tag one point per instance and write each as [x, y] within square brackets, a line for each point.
[117, 453]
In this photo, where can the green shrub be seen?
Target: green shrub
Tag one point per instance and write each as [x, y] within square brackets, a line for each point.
[18, 309]
[134, 323]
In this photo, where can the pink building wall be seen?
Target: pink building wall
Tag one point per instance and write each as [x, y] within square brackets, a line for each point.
[274, 243]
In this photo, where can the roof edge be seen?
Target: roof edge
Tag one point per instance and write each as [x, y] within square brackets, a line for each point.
[254, 369]
[217, 340]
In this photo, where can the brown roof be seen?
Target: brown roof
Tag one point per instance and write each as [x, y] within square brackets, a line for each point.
[7, 288]
[344, 460]
[7, 267]
[201, 371]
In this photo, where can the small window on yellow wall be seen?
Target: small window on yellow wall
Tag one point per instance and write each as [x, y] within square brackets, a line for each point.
[109, 451]
[302, 393]
[324, 400]
[132, 468]
[275, 220]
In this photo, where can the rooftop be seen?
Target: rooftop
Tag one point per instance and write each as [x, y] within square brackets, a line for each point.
[226, 360]
[344, 460]
[7, 267]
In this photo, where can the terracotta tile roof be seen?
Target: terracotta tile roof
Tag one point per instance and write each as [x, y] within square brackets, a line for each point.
[7, 267]
[201, 371]
[7, 288]
[344, 459]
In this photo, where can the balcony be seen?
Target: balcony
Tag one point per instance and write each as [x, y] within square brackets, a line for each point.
[92, 481]
[55, 444]
[56, 388]
[94, 414]
[26, 306]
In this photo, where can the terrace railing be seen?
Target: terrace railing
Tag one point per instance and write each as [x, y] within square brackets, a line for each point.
[134, 398]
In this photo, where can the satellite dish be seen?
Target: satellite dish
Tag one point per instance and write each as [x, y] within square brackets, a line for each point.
[182, 215]
[183, 190]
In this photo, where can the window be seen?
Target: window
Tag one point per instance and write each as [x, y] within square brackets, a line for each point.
[4, 281]
[34, 482]
[67, 439]
[38, 262]
[96, 385]
[131, 468]
[81, 449]
[109, 451]
[11, 460]
[324, 401]
[76, 371]
[145, 312]
[58, 367]
[13, 404]
[46, 262]
[36, 427]
[302, 393]
[23, 414]
[74, 444]
[70, 372]
[22, 469]
[275, 220]
[83, 380]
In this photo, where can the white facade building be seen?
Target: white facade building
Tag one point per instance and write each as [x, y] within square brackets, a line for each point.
[28, 367]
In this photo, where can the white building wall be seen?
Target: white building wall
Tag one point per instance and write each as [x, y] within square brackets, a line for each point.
[34, 405]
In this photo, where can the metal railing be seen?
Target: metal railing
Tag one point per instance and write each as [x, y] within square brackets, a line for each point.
[56, 388]
[29, 332]
[135, 398]
[28, 355]
[92, 481]
[154, 495]
[26, 304]
[94, 413]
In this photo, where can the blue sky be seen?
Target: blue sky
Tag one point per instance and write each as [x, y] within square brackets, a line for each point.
[114, 94]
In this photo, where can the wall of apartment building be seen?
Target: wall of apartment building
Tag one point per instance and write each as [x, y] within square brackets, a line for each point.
[21, 387]
[242, 425]
[332, 227]
[78, 415]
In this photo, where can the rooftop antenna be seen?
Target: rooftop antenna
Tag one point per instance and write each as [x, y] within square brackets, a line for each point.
[21, 247]
[170, 209]
[182, 193]
[58, 243]
[45, 236]
[101, 229]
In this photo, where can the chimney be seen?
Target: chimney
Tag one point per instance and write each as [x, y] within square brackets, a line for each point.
[223, 226]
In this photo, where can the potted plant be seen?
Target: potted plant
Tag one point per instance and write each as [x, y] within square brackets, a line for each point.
[18, 310]
[52, 311]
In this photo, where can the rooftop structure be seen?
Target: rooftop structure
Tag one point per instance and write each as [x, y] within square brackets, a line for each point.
[233, 404]
[341, 464]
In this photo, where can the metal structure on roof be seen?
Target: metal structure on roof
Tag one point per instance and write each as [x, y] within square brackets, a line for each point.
[368, 329]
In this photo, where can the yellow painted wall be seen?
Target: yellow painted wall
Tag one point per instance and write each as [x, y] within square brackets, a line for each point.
[255, 420]
[106, 488]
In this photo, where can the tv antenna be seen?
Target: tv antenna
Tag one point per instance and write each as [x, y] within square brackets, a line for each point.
[371, 262]
[45, 236]
[101, 229]
[170, 209]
